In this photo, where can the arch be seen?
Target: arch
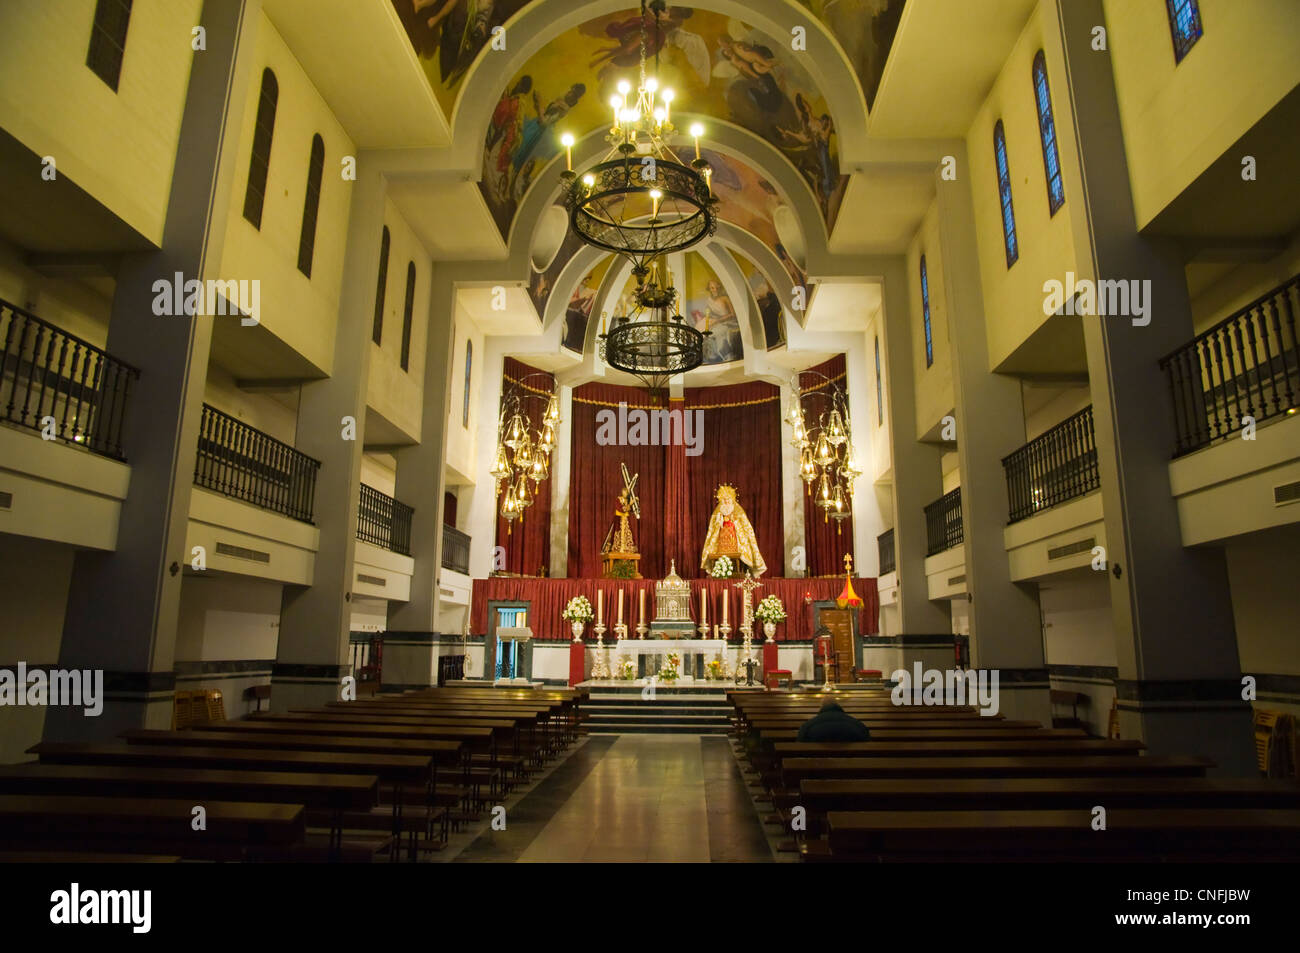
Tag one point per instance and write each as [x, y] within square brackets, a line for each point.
[259, 158]
[925, 314]
[311, 205]
[1047, 133]
[377, 332]
[1004, 194]
[408, 309]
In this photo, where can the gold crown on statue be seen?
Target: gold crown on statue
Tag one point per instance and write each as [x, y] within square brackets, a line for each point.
[726, 492]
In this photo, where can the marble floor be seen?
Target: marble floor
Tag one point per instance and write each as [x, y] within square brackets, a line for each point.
[637, 798]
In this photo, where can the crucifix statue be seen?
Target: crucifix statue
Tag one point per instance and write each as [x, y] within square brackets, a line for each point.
[747, 587]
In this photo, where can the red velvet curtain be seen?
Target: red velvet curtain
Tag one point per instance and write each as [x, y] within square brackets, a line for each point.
[741, 446]
[596, 477]
[527, 542]
[740, 443]
[548, 597]
[826, 540]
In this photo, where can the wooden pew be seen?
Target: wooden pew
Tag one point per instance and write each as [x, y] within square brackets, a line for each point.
[335, 794]
[795, 770]
[399, 771]
[235, 830]
[820, 796]
[1225, 834]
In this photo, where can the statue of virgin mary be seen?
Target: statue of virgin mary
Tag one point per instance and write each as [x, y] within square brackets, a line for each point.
[730, 534]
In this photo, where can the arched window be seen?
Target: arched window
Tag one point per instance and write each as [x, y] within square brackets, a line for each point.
[377, 335]
[925, 318]
[1185, 24]
[469, 366]
[260, 159]
[880, 400]
[1047, 132]
[407, 309]
[311, 205]
[108, 40]
[1004, 193]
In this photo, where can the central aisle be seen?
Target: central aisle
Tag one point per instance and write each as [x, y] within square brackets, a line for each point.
[634, 798]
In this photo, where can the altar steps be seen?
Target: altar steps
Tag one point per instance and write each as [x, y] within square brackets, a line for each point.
[624, 711]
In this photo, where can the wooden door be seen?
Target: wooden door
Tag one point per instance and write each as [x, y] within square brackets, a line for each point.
[840, 624]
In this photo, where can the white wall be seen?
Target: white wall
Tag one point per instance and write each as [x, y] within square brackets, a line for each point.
[1262, 571]
[1179, 118]
[395, 393]
[1079, 631]
[272, 414]
[34, 594]
[118, 146]
[300, 311]
[462, 441]
[71, 305]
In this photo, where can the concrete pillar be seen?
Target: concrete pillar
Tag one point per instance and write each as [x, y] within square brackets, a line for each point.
[1006, 630]
[123, 606]
[925, 628]
[412, 645]
[312, 655]
[1179, 685]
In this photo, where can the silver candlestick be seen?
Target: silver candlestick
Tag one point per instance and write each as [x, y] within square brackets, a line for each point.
[600, 661]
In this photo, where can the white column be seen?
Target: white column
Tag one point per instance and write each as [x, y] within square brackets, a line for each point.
[792, 490]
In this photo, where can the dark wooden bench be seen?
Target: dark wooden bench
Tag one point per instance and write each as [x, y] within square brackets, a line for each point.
[795, 770]
[236, 830]
[1225, 834]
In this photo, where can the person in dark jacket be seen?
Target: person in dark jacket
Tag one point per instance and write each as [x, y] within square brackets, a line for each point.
[833, 723]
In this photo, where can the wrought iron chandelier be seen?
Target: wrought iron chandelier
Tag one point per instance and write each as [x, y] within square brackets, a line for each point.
[642, 201]
[523, 454]
[826, 456]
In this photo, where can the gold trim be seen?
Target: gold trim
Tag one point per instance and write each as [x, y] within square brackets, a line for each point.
[680, 400]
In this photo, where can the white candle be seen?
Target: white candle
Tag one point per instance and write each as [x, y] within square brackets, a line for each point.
[643, 607]
[620, 607]
[704, 609]
[600, 606]
[725, 599]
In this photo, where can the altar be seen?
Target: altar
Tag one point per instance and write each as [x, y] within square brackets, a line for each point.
[650, 656]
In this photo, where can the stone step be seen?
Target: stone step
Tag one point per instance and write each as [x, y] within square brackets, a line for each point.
[655, 707]
[610, 717]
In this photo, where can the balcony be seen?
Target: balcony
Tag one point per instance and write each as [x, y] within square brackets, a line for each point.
[57, 384]
[455, 550]
[1059, 465]
[384, 521]
[885, 543]
[241, 462]
[943, 529]
[1247, 365]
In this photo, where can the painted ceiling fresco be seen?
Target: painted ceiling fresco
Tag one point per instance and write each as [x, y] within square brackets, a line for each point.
[581, 302]
[449, 34]
[766, 300]
[718, 66]
[749, 201]
[865, 29]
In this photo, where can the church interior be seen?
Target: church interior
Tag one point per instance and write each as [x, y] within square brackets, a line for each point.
[666, 374]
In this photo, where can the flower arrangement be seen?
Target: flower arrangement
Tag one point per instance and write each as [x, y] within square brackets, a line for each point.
[722, 568]
[771, 609]
[669, 672]
[578, 610]
[713, 668]
[628, 670]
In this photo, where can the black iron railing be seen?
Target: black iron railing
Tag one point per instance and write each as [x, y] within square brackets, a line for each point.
[1056, 466]
[943, 523]
[384, 521]
[58, 384]
[450, 668]
[1247, 365]
[455, 550]
[240, 461]
[885, 543]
